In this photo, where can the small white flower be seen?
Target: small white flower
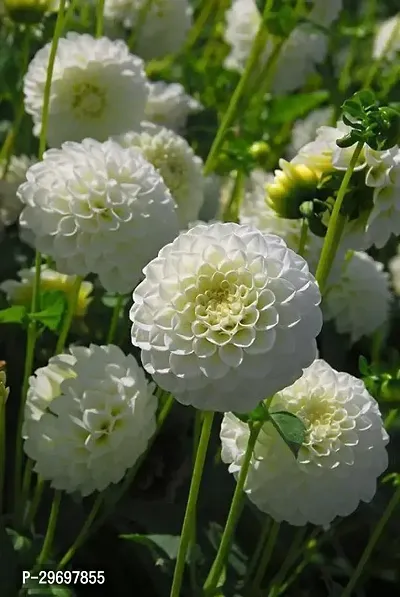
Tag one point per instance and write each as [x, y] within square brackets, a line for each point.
[324, 13]
[98, 89]
[164, 27]
[337, 466]
[10, 204]
[20, 292]
[358, 300]
[225, 317]
[387, 39]
[98, 208]
[169, 105]
[175, 160]
[88, 418]
[304, 131]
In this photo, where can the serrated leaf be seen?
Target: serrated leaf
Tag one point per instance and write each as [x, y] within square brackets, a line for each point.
[291, 107]
[53, 305]
[15, 314]
[8, 564]
[291, 429]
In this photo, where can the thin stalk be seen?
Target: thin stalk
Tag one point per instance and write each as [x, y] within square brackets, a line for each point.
[336, 225]
[100, 18]
[37, 495]
[26, 486]
[265, 559]
[263, 83]
[82, 534]
[391, 417]
[258, 550]
[114, 319]
[373, 540]
[231, 211]
[303, 237]
[207, 8]
[308, 549]
[291, 557]
[230, 114]
[51, 528]
[68, 317]
[192, 503]
[142, 16]
[8, 145]
[234, 512]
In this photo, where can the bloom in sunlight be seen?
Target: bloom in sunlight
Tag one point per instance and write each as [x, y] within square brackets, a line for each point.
[161, 26]
[225, 317]
[20, 292]
[358, 300]
[98, 208]
[89, 416]
[175, 160]
[98, 89]
[169, 105]
[338, 463]
[10, 204]
[387, 39]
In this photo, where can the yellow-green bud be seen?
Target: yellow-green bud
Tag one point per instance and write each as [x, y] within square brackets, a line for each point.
[259, 151]
[29, 11]
[293, 185]
[4, 391]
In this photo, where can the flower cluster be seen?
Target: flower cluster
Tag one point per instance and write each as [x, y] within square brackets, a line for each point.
[89, 416]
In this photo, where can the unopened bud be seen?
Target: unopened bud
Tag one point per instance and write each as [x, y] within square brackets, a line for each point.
[293, 185]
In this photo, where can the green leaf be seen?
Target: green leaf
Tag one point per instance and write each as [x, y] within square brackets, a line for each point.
[53, 304]
[290, 108]
[52, 590]
[15, 314]
[8, 564]
[291, 429]
[363, 365]
[167, 545]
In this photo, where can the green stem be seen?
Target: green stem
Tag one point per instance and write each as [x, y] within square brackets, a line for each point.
[142, 16]
[391, 417]
[37, 494]
[303, 237]
[263, 83]
[68, 317]
[308, 552]
[336, 224]
[100, 18]
[82, 534]
[192, 503]
[372, 543]
[234, 512]
[114, 319]
[258, 550]
[231, 211]
[265, 559]
[26, 486]
[205, 13]
[230, 114]
[291, 557]
[2, 448]
[51, 528]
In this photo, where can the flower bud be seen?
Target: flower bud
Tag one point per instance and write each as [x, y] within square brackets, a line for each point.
[29, 11]
[293, 185]
[260, 151]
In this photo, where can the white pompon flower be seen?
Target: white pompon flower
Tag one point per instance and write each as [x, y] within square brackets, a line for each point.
[339, 462]
[10, 204]
[304, 131]
[175, 160]
[162, 25]
[387, 39]
[88, 418]
[225, 317]
[98, 208]
[358, 300]
[169, 105]
[98, 89]
[242, 22]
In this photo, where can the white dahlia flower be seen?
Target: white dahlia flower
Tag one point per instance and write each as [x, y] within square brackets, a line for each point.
[387, 39]
[242, 23]
[394, 268]
[225, 317]
[304, 131]
[98, 89]
[98, 208]
[175, 160]
[10, 204]
[162, 25]
[358, 301]
[19, 292]
[338, 464]
[88, 418]
[169, 105]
